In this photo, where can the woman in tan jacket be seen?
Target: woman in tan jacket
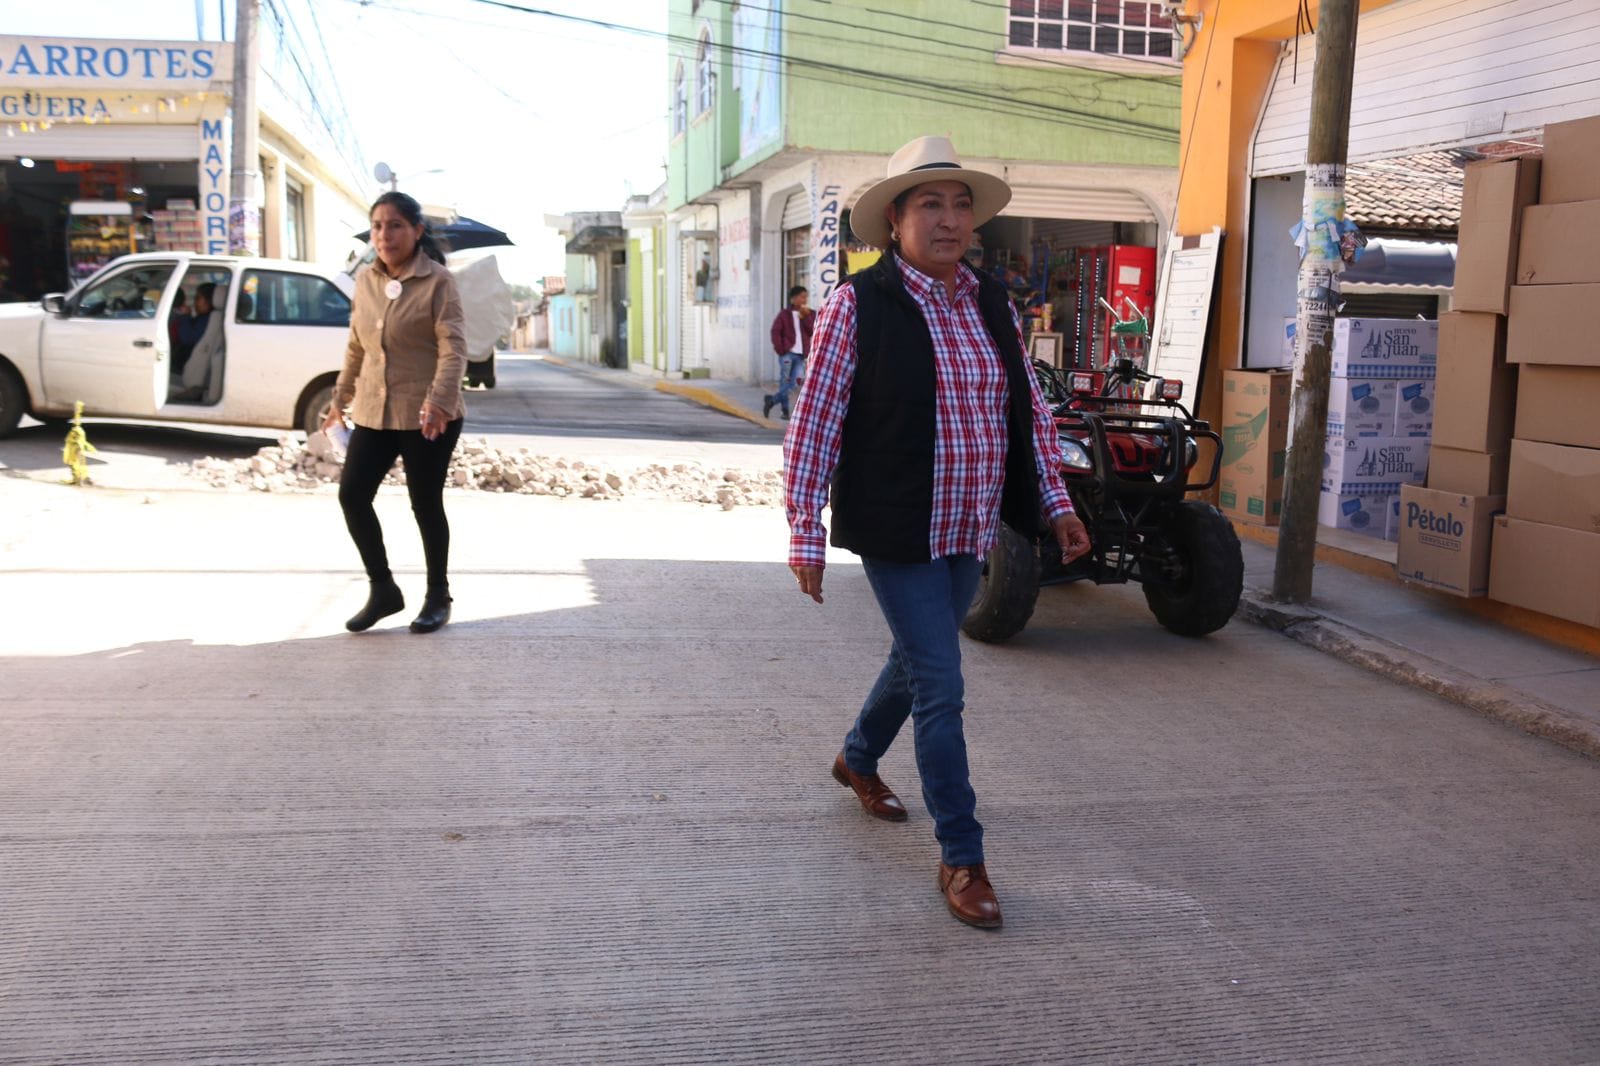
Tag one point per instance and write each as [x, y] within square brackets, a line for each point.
[402, 383]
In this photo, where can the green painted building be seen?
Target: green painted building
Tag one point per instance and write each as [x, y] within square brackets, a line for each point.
[783, 111]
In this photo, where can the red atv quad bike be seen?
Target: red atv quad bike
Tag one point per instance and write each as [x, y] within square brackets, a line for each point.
[1129, 464]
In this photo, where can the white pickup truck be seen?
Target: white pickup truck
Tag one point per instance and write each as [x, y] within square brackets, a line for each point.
[121, 341]
[116, 344]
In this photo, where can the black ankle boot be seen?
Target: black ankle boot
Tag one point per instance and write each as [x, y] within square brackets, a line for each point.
[435, 612]
[382, 601]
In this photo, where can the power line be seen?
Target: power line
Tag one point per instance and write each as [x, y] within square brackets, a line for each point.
[338, 87]
[1063, 115]
[983, 59]
[315, 106]
[1163, 69]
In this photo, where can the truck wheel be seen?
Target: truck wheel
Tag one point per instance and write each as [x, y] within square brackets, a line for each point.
[13, 400]
[315, 409]
[481, 373]
[1008, 590]
[1194, 589]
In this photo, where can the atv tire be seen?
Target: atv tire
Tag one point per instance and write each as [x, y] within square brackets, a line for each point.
[1203, 595]
[1007, 591]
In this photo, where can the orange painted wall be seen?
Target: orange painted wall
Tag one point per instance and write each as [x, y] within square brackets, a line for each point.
[1226, 76]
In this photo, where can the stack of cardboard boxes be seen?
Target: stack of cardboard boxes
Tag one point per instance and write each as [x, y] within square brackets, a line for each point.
[177, 227]
[1546, 548]
[1255, 442]
[1445, 528]
[1380, 420]
[1517, 420]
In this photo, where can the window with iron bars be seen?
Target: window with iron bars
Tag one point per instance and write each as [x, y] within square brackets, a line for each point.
[1137, 29]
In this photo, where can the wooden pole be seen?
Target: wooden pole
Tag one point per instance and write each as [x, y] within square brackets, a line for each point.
[1326, 150]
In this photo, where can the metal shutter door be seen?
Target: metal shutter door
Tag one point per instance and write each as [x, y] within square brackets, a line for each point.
[1443, 73]
[106, 141]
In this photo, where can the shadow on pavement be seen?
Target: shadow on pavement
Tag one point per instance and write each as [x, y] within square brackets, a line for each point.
[606, 832]
[37, 447]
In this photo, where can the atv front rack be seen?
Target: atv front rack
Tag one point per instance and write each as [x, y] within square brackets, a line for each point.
[1126, 510]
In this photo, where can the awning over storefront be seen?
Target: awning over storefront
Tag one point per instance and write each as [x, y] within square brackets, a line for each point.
[1392, 263]
[596, 238]
[1109, 205]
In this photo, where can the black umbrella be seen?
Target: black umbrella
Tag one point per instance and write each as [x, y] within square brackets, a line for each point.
[462, 234]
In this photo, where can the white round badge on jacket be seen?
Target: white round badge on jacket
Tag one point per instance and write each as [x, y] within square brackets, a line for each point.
[392, 290]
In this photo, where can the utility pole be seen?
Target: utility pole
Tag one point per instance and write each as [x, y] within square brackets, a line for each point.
[244, 190]
[1326, 150]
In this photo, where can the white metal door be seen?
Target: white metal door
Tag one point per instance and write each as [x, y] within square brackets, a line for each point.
[1443, 73]
[112, 350]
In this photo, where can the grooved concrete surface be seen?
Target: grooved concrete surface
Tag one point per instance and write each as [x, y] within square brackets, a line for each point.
[591, 820]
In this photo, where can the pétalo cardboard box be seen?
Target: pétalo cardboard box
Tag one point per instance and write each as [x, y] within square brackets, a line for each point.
[1444, 539]
[1571, 161]
[1555, 484]
[1559, 404]
[1361, 407]
[1560, 244]
[1385, 348]
[1358, 512]
[1492, 200]
[1550, 569]
[1465, 473]
[1255, 440]
[1476, 392]
[1365, 466]
[1414, 402]
[1554, 324]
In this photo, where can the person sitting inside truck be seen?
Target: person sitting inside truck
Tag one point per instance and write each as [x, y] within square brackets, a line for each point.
[177, 329]
[201, 378]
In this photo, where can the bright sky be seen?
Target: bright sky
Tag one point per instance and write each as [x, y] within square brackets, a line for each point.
[526, 115]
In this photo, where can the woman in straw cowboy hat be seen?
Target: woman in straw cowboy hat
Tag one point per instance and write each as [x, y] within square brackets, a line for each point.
[922, 413]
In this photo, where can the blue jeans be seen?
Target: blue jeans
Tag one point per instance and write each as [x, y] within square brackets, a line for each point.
[924, 604]
[788, 369]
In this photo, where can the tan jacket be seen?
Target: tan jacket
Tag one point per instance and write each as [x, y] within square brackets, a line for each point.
[403, 351]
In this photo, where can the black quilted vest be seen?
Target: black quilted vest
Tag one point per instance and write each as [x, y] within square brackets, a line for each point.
[883, 485]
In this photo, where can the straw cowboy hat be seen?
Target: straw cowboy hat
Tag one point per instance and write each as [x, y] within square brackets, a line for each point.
[923, 160]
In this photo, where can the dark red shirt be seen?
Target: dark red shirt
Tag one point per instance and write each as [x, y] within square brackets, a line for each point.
[783, 339]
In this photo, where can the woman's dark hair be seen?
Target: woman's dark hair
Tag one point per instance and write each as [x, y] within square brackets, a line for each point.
[411, 211]
[796, 290]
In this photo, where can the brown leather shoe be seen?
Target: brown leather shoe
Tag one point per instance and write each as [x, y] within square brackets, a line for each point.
[969, 895]
[874, 795]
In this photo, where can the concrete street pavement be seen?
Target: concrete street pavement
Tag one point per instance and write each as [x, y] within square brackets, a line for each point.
[1407, 634]
[591, 820]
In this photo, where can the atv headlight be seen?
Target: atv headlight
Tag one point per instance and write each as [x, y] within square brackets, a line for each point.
[1191, 452]
[1075, 454]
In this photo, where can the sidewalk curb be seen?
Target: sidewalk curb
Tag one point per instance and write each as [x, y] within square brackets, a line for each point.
[700, 394]
[1390, 660]
[712, 398]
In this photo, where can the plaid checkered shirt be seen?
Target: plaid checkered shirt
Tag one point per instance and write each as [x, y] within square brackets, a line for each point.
[971, 397]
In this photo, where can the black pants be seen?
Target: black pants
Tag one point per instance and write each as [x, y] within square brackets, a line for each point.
[367, 461]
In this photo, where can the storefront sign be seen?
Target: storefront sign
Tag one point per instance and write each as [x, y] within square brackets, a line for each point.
[215, 139]
[59, 62]
[52, 108]
[826, 251]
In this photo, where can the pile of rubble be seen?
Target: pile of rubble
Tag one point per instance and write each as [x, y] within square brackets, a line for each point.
[305, 465]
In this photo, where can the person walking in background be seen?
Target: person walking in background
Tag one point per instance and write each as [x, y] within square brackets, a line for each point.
[791, 339]
[923, 415]
[402, 383]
